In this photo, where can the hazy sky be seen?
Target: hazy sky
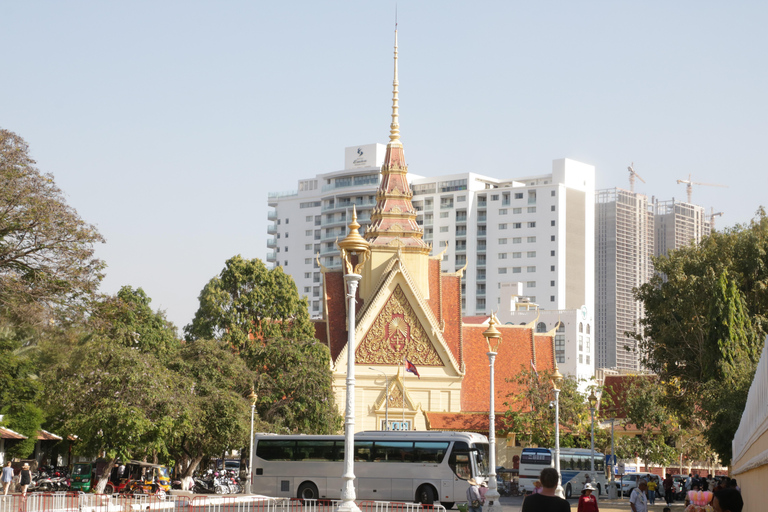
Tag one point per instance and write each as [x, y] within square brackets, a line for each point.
[167, 122]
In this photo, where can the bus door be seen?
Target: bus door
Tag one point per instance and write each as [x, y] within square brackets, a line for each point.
[460, 462]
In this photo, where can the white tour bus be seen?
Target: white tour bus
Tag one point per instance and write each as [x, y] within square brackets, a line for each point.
[418, 466]
[575, 468]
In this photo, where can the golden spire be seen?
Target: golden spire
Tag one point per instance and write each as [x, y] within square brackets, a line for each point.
[394, 128]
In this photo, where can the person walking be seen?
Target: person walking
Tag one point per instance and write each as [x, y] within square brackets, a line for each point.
[7, 477]
[25, 478]
[637, 500]
[587, 501]
[474, 499]
[669, 492]
[652, 486]
[546, 501]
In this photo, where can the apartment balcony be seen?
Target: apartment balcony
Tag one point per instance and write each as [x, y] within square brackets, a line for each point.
[272, 229]
[272, 243]
[481, 247]
[482, 218]
[271, 256]
[481, 232]
[272, 215]
[480, 264]
[482, 203]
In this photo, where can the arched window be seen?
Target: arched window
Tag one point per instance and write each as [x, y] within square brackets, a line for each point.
[560, 327]
[587, 328]
[581, 327]
[541, 327]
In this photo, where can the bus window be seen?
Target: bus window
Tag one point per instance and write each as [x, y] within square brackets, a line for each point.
[314, 450]
[363, 451]
[459, 460]
[270, 449]
[599, 461]
[393, 451]
[481, 459]
[430, 452]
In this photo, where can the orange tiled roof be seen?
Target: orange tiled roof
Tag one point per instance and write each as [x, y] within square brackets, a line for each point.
[514, 355]
[463, 421]
[44, 435]
[7, 433]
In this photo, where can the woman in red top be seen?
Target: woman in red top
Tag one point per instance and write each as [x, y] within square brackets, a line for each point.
[587, 502]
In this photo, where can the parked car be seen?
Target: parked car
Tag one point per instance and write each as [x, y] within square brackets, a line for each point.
[629, 482]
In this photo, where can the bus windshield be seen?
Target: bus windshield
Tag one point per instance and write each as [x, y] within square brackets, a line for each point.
[480, 453]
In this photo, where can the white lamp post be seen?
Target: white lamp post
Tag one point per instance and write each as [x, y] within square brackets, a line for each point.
[352, 245]
[592, 402]
[557, 380]
[386, 398]
[493, 339]
[253, 396]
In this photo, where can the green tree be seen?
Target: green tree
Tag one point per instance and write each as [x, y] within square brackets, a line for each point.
[295, 385]
[248, 301]
[218, 412]
[118, 401]
[46, 250]
[19, 389]
[127, 319]
[642, 400]
[704, 326]
[531, 417]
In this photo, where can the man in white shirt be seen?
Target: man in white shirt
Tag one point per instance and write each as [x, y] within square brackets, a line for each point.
[637, 500]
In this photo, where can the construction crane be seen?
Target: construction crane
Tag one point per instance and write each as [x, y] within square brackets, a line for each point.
[632, 176]
[689, 186]
[712, 216]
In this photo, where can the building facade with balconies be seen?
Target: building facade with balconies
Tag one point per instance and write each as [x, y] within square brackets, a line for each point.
[537, 230]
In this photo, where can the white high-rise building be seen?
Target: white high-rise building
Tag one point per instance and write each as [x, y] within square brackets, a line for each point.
[624, 244]
[677, 225]
[629, 231]
[537, 230]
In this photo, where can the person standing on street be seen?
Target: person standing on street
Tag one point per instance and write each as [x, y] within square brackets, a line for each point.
[546, 501]
[474, 499]
[25, 478]
[587, 502]
[7, 477]
[652, 486]
[668, 489]
[637, 500]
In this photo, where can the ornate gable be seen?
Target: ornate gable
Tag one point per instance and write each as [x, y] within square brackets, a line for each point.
[397, 333]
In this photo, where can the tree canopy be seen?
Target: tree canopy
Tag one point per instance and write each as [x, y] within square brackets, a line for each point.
[704, 326]
[248, 301]
[46, 250]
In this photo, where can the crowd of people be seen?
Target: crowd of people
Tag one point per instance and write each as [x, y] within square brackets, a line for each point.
[726, 494]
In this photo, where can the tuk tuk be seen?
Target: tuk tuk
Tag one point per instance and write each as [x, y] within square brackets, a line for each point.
[83, 476]
[141, 478]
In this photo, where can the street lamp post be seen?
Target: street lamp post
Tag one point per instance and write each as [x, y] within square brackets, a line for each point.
[557, 380]
[386, 398]
[352, 245]
[493, 339]
[612, 488]
[592, 402]
[252, 396]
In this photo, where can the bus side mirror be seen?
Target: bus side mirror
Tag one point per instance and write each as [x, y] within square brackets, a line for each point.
[479, 457]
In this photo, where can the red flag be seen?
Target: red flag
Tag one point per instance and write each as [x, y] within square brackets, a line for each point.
[534, 368]
[410, 367]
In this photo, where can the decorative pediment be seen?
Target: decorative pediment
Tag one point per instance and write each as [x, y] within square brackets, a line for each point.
[397, 333]
[397, 398]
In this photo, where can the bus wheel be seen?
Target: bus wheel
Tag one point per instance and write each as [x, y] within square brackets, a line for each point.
[568, 492]
[425, 495]
[448, 504]
[109, 489]
[307, 491]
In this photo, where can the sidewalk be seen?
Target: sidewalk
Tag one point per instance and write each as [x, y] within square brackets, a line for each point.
[618, 505]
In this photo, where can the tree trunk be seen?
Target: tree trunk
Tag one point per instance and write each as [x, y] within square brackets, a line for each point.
[192, 466]
[104, 477]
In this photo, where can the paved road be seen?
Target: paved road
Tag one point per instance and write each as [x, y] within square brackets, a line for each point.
[606, 505]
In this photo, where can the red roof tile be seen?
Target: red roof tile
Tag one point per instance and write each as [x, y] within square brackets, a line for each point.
[7, 433]
[462, 421]
[44, 435]
[514, 354]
